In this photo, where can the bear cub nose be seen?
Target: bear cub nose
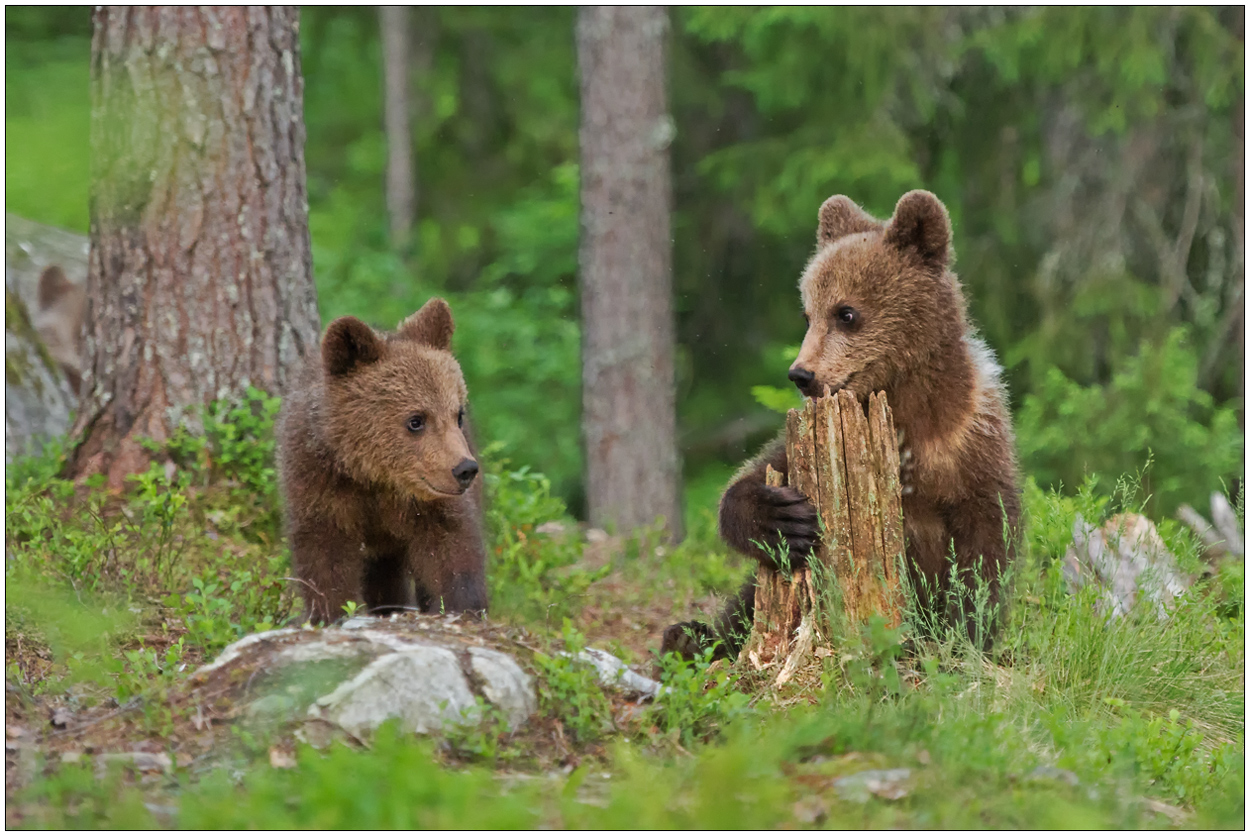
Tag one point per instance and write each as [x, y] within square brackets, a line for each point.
[464, 472]
[802, 378]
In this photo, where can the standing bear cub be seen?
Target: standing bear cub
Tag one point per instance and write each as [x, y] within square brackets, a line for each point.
[382, 507]
[886, 313]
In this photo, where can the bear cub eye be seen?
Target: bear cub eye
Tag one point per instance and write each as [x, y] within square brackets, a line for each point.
[847, 317]
[416, 423]
[460, 418]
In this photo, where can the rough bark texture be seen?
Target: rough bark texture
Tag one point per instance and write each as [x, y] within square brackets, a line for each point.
[847, 464]
[628, 400]
[401, 178]
[200, 272]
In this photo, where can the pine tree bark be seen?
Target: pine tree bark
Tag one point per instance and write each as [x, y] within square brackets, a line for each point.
[628, 399]
[199, 278]
[401, 178]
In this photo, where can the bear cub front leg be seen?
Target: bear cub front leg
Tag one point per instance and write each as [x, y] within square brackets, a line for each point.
[775, 526]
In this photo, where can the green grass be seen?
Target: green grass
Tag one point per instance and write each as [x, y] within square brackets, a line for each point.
[115, 600]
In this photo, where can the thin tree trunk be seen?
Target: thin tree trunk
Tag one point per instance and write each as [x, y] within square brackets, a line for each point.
[401, 178]
[199, 279]
[628, 399]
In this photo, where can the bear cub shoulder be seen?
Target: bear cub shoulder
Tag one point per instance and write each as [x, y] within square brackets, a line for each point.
[378, 473]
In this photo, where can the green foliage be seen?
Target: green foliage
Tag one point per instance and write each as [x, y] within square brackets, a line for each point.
[569, 690]
[234, 445]
[216, 613]
[1151, 410]
[775, 109]
[532, 577]
[397, 783]
[697, 703]
[1167, 753]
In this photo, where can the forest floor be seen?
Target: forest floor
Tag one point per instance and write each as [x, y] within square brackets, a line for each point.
[112, 602]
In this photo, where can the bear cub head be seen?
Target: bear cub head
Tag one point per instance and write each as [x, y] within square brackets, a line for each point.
[878, 296]
[396, 404]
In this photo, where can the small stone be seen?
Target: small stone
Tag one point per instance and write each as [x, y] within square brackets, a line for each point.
[281, 758]
[141, 761]
[62, 717]
[811, 810]
[890, 784]
[1051, 773]
[613, 673]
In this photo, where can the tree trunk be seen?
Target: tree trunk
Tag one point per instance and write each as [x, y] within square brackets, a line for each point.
[847, 464]
[628, 399]
[199, 279]
[401, 178]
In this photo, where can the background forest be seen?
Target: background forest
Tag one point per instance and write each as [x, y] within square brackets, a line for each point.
[1091, 160]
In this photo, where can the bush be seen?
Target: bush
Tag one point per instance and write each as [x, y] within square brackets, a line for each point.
[1151, 411]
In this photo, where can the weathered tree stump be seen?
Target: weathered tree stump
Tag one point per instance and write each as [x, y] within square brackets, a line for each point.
[847, 464]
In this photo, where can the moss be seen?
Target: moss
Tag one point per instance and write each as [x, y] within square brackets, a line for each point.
[17, 363]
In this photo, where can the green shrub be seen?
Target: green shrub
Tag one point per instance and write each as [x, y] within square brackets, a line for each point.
[569, 690]
[1152, 410]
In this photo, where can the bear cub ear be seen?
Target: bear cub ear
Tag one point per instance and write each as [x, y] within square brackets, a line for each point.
[921, 223]
[349, 344]
[432, 325]
[840, 216]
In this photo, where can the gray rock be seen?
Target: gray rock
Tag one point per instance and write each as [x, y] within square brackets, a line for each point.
[613, 673]
[423, 688]
[1052, 773]
[38, 399]
[29, 247]
[890, 784]
[142, 761]
[425, 671]
[1124, 558]
[504, 684]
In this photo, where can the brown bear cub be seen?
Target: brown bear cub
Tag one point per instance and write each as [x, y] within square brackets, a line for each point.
[382, 507]
[885, 313]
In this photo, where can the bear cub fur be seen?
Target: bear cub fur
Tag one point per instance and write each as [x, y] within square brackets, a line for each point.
[886, 313]
[378, 474]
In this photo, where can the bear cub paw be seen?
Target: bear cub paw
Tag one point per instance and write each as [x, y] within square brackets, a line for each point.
[687, 639]
[788, 524]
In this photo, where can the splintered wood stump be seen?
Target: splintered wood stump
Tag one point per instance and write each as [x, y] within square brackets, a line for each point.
[847, 464]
